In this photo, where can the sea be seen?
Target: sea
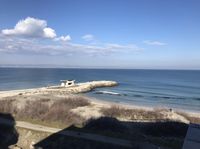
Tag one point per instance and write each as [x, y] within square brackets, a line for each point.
[179, 89]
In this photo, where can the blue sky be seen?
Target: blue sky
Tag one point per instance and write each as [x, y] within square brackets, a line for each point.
[158, 34]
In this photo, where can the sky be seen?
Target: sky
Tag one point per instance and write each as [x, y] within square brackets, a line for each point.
[138, 34]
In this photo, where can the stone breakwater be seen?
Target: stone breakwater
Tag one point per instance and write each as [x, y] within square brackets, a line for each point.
[78, 88]
[88, 86]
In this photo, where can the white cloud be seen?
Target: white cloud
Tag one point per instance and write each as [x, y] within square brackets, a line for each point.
[88, 37]
[26, 36]
[49, 32]
[31, 27]
[155, 43]
[63, 38]
[19, 45]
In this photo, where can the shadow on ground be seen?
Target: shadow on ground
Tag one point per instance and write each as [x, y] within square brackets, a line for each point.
[141, 135]
[8, 133]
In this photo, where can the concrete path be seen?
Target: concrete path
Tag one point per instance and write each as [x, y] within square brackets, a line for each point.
[88, 136]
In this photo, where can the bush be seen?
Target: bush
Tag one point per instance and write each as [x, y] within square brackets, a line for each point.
[133, 114]
[58, 111]
[113, 111]
[72, 102]
[33, 109]
[6, 106]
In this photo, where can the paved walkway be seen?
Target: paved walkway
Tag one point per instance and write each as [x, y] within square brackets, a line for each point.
[88, 136]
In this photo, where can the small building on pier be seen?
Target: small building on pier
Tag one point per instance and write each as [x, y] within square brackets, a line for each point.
[67, 83]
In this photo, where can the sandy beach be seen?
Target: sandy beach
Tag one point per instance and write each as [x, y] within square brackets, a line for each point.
[93, 110]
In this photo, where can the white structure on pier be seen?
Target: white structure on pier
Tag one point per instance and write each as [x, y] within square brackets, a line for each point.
[67, 83]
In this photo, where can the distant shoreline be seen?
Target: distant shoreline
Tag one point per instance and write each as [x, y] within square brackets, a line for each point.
[105, 68]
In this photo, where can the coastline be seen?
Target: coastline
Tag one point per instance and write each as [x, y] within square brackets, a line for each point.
[95, 101]
[140, 107]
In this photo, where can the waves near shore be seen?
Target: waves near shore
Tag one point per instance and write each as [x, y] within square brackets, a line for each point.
[166, 88]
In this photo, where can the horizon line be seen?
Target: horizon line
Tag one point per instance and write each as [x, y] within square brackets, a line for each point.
[89, 67]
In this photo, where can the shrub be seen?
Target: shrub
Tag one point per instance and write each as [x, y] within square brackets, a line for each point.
[6, 106]
[72, 102]
[133, 114]
[58, 111]
[113, 111]
[33, 109]
[45, 99]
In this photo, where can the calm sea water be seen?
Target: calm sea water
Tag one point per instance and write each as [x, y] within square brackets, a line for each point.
[160, 88]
